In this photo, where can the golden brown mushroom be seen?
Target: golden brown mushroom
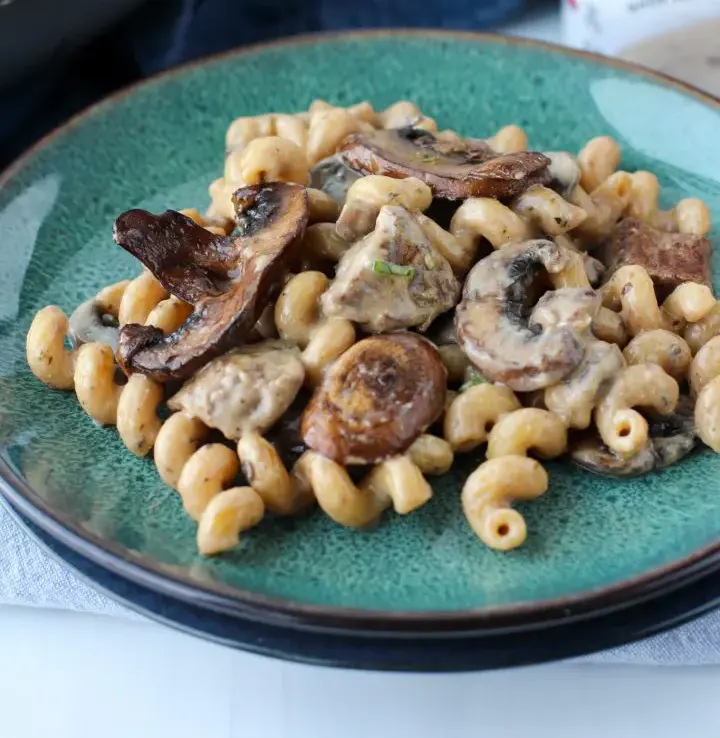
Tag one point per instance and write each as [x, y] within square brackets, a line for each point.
[228, 280]
[376, 399]
[454, 169]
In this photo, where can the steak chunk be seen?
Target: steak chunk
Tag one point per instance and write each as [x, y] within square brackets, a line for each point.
[669, 258]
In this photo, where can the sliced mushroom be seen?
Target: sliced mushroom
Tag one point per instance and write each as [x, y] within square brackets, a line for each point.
[673, 436]
[89, 323]
[245, 390]
[670, 438]
[376, 399]
[453, 168]
[393, 278]
[592, 454]
[228, 281]
[494, 324]
[334, 177]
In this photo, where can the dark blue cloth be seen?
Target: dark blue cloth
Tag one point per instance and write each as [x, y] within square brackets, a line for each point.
[159, 35]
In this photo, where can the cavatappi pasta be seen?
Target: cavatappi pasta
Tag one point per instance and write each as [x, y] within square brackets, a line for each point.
[368, 291]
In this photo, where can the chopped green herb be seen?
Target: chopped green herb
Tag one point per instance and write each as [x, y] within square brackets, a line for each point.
[393, 270]
[472, 377]
[427, 157]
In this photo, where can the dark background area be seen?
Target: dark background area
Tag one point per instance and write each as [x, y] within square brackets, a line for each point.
[58, 56]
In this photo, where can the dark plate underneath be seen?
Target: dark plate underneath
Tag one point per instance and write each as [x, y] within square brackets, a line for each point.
[395, 654]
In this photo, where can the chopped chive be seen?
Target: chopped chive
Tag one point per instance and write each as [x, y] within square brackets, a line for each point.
[393, 270]
[472, 378]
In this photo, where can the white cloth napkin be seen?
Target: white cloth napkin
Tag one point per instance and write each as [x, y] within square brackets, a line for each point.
[28, 576]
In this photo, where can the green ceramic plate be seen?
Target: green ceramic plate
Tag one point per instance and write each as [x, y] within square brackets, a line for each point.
[593, 543]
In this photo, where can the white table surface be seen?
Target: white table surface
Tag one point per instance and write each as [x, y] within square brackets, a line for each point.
[70, 675]
[66, 675]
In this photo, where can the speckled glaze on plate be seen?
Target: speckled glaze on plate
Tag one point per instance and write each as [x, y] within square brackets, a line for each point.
[593, 543]
[488, 650]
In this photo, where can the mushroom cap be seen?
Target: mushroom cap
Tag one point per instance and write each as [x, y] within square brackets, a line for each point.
[494, 325]
[228, 280]
[376, 399]
[454, 170]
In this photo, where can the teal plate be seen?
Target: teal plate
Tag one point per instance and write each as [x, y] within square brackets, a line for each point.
[593, 544]
[472, 652]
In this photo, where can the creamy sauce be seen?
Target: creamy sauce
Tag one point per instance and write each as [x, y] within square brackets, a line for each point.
[244, 390]
[573, 399]
[383, 302]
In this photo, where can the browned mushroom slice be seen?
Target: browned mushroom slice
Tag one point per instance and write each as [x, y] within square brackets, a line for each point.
[228, 280]
[494, 319]
[376, 399]
[453, 169]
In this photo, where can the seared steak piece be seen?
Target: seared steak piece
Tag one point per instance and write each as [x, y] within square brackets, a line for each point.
[669, 258]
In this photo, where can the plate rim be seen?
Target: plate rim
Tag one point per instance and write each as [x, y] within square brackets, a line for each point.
[480, 37]
[285, 612]
[478, 653]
